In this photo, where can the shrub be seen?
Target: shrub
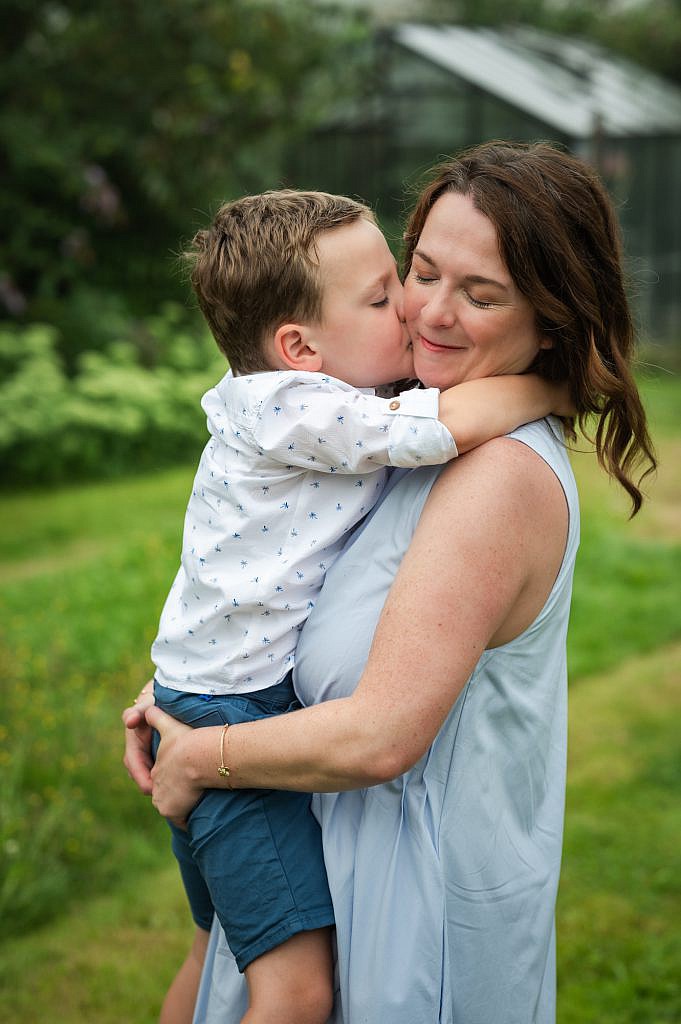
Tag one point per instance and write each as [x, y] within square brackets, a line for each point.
[114, 415]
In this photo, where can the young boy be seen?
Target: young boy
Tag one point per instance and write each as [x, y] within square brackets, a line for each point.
[302, 295]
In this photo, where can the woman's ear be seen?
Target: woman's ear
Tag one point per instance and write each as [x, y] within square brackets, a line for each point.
[296, 349]
[545, 342]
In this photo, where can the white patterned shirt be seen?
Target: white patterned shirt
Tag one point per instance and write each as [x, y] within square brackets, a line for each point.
[294, 461]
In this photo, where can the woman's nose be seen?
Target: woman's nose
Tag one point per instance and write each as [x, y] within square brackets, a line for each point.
[438, 311]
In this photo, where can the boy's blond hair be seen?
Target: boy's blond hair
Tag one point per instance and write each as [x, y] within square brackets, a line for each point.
[256, 267]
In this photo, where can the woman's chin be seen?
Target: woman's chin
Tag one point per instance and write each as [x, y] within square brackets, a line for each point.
[436, 377]
[438, 371]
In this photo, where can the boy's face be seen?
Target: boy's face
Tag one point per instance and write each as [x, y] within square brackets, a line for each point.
[362, 338]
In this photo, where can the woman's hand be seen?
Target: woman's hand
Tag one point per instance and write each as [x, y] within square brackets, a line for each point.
[137, 758]
[174, 792]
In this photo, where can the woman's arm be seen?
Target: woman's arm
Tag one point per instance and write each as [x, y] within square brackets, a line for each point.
[479, 568]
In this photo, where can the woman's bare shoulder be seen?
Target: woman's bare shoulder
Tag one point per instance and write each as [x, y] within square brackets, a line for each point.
[504, 469]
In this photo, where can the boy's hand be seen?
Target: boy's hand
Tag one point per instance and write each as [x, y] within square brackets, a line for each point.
[562, 403]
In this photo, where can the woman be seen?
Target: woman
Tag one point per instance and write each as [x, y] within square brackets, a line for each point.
[435, 658]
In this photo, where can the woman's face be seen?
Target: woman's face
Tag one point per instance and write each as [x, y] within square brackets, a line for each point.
[465, 315]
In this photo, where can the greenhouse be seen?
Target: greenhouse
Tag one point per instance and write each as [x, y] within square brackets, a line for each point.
[438, 88]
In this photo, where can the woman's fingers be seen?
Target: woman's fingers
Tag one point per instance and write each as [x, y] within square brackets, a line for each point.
[133, 716]
[137, 758]
[174, 794]
[161, 721]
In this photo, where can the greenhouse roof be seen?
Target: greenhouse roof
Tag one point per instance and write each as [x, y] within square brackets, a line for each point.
[569, 84]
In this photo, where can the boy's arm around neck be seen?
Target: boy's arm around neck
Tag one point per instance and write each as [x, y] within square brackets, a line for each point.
[478, 410]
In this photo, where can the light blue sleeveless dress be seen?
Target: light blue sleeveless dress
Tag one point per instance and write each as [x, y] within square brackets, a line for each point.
[443, 881]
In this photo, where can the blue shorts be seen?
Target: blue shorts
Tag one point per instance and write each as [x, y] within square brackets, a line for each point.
[254, 856]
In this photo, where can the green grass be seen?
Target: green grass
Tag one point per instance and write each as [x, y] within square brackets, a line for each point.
[110, 958]
[81, 521]
[77, 616]
[620, 900]
[627, 592]
[83, 573]
[107, 961]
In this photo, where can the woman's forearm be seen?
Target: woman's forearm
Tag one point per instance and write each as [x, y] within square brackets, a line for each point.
[330, 747]
[326, 748]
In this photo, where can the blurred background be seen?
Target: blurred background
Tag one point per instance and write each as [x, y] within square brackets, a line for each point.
[122, 128]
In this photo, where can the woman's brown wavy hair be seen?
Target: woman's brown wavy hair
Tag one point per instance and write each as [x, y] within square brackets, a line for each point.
[559, 238]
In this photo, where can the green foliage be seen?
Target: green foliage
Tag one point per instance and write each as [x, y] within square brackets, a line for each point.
[622, 600]
[109, 960]
[629, 571]
[648, 33]
[114, 415]
[489, 12]
[123, 125]
[119, 121]
[619, 946]
[78, 611]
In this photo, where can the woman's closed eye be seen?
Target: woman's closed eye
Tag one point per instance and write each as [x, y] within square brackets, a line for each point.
[382, 302]
[478, 303]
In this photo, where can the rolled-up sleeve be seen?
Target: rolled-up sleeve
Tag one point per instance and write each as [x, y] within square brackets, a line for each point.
[416, 435]
[332, 429]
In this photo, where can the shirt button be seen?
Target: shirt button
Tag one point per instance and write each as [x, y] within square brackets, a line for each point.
[394, 405]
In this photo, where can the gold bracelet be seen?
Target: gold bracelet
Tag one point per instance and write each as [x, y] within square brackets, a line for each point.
[223, 770]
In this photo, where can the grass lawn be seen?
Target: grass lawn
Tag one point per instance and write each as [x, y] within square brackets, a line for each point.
[109, 958]
[619, 940]
[91, 929]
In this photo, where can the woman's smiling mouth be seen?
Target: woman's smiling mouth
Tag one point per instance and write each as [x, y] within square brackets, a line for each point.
[434, 346]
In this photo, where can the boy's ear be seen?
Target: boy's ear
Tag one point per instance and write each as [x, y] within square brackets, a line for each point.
[296, 349]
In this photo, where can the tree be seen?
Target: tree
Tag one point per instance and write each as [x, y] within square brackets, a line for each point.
[647, 32]
[124, 123]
